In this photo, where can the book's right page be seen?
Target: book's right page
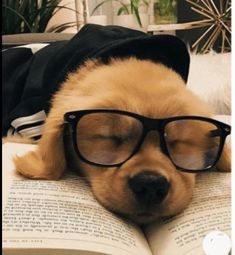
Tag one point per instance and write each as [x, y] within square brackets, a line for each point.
[209, 210]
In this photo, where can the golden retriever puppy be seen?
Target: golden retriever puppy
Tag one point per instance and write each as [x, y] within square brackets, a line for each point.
[132, 172]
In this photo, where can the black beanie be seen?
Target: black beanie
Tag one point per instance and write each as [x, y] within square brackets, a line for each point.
[106, 42]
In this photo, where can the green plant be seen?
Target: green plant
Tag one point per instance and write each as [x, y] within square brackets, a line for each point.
[31, 16]
[165, 11]
[130, 8]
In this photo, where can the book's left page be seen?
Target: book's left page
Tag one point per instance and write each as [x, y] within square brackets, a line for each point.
[60, 217]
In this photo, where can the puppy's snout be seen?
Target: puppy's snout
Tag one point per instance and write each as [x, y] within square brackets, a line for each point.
[149, 188]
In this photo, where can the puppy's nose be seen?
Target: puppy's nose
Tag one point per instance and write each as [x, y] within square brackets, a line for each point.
[149, 188]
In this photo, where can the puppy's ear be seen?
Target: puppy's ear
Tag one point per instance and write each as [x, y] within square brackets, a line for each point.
[48, 161]
[224, 163]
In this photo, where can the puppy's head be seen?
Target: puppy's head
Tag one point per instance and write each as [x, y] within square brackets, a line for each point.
[147, 185]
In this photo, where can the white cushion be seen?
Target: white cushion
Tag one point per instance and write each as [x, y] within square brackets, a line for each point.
[210, 79]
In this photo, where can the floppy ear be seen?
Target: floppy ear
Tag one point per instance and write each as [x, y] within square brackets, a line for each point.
[48, 161]
[224, 163]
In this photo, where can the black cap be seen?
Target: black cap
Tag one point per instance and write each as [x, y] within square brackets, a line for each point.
[106, 42]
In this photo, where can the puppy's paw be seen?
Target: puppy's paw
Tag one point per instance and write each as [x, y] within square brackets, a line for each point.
[32, 165]
[18, 139]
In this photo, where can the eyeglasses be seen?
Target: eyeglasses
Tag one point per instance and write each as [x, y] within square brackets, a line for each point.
[109, 138]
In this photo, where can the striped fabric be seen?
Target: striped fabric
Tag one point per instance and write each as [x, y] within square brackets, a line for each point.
[29, 125]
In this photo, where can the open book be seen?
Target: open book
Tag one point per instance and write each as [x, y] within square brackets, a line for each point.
[62, 217]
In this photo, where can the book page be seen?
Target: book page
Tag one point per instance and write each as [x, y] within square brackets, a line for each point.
[61, 215]
[209, 210]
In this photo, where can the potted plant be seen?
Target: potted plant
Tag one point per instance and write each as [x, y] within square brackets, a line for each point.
[129, 13]
[27, 16]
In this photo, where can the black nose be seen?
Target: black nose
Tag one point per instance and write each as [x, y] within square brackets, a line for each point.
[149, 188]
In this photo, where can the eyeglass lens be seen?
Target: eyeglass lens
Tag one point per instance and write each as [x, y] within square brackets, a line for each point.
[107, 138]
[192, 144]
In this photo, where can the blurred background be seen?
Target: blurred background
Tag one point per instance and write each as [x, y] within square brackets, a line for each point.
[203, 24]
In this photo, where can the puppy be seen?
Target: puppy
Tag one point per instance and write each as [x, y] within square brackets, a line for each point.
[139, 86]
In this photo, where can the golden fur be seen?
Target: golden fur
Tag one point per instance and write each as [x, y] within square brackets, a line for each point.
[143, 87]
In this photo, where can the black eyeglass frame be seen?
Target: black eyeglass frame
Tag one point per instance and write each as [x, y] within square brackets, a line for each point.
[148, 124]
